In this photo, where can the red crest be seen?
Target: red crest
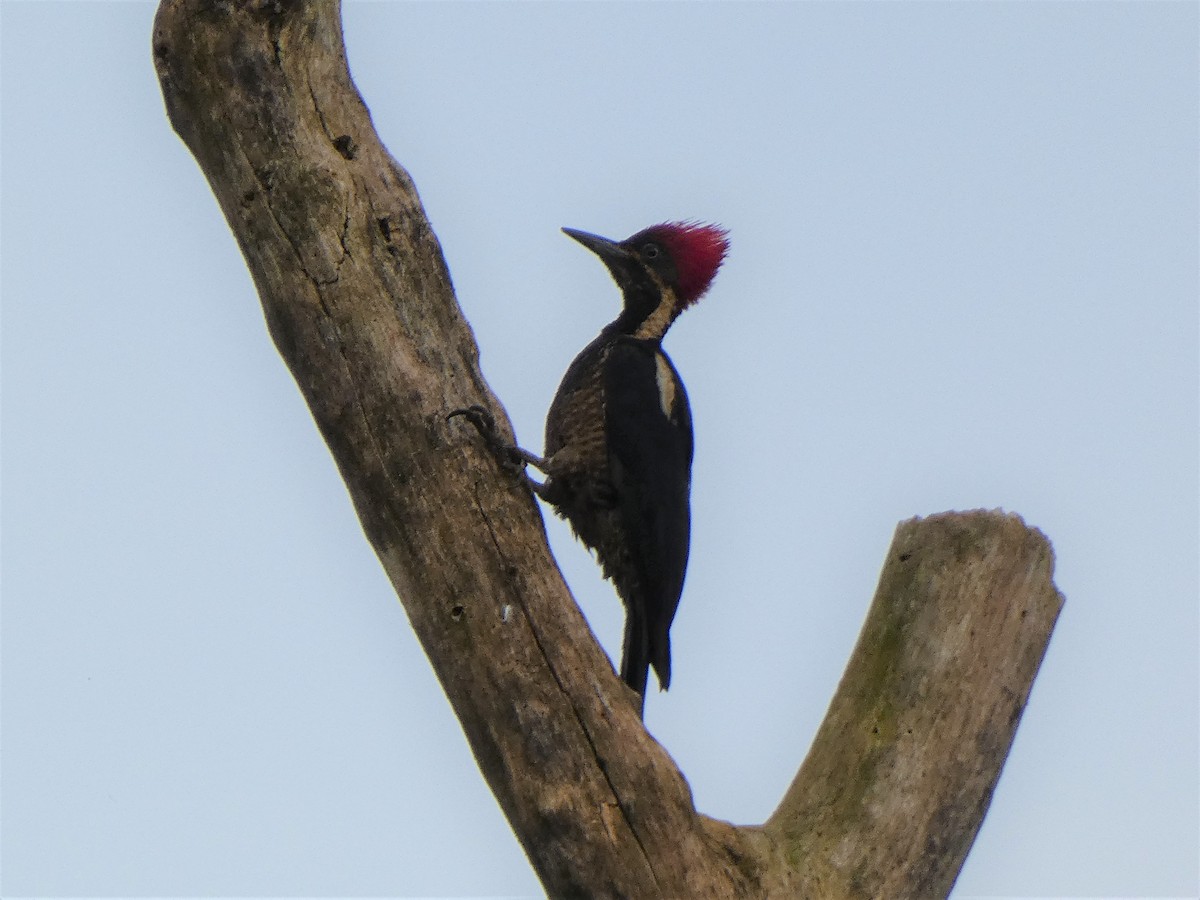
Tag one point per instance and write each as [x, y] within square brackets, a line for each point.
[697, 249]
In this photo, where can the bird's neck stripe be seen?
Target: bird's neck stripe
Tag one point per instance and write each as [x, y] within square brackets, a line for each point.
[657, 323]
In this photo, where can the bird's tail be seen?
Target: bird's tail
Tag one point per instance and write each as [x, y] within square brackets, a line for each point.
[635, 656]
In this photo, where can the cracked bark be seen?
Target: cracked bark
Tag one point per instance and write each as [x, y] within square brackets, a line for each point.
[357, 298]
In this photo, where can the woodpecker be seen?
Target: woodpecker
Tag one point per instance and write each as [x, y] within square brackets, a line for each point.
[618, 442]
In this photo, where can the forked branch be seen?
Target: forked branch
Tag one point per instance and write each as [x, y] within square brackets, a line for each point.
[358, 300]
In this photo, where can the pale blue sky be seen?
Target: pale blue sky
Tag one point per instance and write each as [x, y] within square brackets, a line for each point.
[964, 274]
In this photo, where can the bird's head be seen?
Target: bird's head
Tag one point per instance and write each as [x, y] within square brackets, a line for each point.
[661, 270]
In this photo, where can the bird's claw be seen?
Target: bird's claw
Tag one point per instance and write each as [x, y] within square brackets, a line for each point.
[483, 420]
[485, 423]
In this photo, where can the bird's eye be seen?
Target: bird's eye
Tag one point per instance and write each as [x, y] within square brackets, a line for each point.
[650, 251]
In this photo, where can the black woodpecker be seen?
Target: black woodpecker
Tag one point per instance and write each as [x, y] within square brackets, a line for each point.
[618, 457]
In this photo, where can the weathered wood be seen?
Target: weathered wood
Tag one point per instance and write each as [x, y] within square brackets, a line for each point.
[359, 303]
[358, 300]
[903, 767]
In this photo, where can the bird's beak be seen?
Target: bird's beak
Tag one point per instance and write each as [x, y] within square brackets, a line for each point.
[616, 257]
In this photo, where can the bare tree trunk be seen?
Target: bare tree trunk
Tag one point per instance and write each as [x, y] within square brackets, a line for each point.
[358, 300]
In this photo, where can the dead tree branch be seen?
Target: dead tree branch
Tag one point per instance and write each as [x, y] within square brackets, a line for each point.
[359, 302]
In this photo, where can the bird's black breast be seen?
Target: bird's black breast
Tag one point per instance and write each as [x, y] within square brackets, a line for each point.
[575, 422]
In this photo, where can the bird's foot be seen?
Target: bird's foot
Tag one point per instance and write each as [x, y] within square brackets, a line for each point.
[481, 418]
[509, 456]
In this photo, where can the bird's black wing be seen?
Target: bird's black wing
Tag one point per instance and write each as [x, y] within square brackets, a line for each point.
[649, 435]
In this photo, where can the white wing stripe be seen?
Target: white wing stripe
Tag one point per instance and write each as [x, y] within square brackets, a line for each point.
[666, 384]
